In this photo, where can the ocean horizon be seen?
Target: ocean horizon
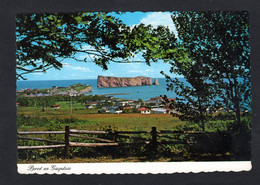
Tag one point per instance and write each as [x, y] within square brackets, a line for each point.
[136, 92]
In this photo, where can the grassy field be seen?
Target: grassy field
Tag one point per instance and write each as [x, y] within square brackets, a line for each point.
[90, 120]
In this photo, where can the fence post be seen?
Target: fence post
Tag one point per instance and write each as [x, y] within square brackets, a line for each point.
[67, 145]
[154, 139]
[115, 137]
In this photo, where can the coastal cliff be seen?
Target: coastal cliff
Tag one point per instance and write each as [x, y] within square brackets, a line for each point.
[110, 81]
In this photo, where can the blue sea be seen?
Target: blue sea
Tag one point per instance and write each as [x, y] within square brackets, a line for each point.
[143, 92]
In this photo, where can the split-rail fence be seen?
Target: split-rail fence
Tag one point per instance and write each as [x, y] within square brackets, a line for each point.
[155, 137]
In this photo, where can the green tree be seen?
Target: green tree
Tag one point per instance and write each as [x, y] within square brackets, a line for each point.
[167, 48]
[193, 99]
[44, 40]
[212, 54]
[218, 42]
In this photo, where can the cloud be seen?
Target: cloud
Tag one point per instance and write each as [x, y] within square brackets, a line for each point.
[146, 71]
[131, 64]
[108, 74]
[159, 18]
[129, 67]
[149, 70]
[82, 69]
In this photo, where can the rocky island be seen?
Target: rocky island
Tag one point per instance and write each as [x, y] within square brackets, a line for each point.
[156, 82]
[111, 81]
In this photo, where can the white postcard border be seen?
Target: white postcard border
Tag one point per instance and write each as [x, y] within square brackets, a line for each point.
[134, 168]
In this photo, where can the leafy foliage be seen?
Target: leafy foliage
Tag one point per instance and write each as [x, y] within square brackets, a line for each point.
[44, 40]
[38, 101]
[216, 64]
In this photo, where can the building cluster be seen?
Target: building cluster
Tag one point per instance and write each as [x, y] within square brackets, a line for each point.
[113, 105]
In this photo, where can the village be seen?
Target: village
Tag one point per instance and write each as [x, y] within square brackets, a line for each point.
[105, 104]
[113, 105]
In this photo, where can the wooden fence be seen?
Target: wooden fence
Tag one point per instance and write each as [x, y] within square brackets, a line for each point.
[153, 137]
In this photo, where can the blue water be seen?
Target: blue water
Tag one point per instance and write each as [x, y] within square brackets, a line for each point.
[143, 92]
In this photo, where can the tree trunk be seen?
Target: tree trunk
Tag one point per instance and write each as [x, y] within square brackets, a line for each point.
[236, 102]
[201, 115]
[237, 108]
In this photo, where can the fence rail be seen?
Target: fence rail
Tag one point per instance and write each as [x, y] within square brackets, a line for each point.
[87, 132]
[40, 147]
[112, 140]
[92, 144]
[41, 132]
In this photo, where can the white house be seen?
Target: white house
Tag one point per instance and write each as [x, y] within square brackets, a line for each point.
[144, 110]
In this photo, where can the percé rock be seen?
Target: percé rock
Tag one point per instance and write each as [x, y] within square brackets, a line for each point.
[156, 82]
[86, 90]
[111, 81]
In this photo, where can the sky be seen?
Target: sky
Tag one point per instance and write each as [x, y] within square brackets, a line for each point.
[73, 70]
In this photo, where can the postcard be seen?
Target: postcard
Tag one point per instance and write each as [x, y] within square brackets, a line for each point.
[133, 92]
